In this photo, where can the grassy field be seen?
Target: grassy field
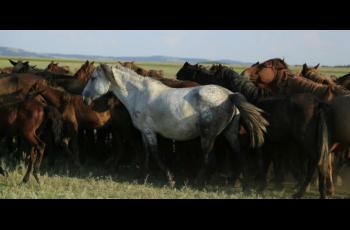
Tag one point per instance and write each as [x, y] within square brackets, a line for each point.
[170, 69]
[95, 182]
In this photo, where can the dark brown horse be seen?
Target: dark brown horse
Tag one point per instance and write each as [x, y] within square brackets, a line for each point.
[22, 67]
[336, 96]
[313, 74]
[54, 68]
[344, 81]
[301, 129]
[141, 71]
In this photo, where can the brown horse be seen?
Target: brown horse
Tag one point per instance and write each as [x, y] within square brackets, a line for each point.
[264, 74]
[13, 82]
[24, 119]
[54, 68]
[312, 73]
[74, 111]
[6, 70]
[75, 84]
[141, 71]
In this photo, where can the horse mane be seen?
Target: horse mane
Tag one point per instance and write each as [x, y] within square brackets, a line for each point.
[142, 71]
[299, 84]
[314, 75]
[135, 74]
[236, 83]
[277, 62]
[228, 78]
[83, 71]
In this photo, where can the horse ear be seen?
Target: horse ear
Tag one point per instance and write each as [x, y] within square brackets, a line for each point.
[316, 66]
[12, 62]
[255, 64]
[186, 64]
[304, 67]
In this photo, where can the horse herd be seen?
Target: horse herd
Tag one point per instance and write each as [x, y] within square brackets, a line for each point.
[207, 119]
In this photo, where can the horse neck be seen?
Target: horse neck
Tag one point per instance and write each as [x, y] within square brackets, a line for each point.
[53, 96]
[300, 85]
[235, 82]
[129, 85]
[86, 114]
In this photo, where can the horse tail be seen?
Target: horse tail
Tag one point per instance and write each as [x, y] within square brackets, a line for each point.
[252, 118]
[323, 138]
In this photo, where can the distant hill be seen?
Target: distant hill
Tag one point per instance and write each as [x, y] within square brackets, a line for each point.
[10, 52]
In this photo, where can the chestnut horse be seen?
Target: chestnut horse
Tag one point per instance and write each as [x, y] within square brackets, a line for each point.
[75, 84]
[264, 74]
[24, 119]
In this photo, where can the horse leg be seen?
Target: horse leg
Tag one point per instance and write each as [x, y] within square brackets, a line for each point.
[40, 149]
[330, 190]
[231, 134]
[30, 165]
[261, 178]
[75, 151]
[3, 172]
[278, 168]
[207, 144]
[311, 165]
[150, 142]
[118, 144]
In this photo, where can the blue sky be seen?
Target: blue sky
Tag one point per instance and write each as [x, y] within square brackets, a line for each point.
[325, 47]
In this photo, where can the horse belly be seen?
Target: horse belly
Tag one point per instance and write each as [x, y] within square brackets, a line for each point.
[177, 120]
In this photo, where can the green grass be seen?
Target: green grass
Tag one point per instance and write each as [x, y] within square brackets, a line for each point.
[170, 69]
[95, 182]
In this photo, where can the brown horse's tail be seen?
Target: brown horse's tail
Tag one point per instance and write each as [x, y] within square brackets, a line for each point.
[252, 118]
[323, 138]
